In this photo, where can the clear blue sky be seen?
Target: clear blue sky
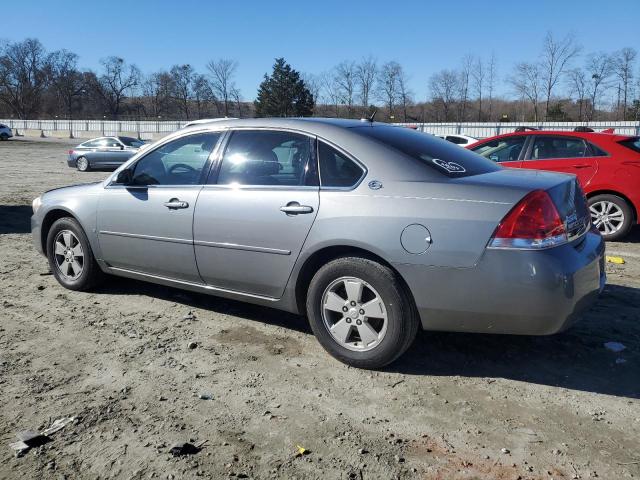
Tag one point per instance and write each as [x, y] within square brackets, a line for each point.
[424, 36]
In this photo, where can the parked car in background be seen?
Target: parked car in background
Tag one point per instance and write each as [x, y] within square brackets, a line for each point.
[462, 140]
[371, 230]
[5, 132]
[103, 152]
[607, 166]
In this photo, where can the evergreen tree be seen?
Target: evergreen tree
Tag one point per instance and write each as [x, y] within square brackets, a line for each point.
[284, 93]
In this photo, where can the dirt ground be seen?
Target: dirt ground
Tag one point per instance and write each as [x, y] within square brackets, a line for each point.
[456, 406]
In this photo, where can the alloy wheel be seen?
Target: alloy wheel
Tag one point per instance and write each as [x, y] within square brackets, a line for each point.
[354, 314]
[82, 164]
[607, 217]
[68, 254]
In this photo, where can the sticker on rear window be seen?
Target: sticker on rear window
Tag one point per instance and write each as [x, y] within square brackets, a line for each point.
[451, 167]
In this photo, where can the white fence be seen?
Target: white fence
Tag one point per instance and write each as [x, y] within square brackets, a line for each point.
[146, 129]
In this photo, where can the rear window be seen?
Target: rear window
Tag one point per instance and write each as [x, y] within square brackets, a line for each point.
[440, 155]
[632, 143]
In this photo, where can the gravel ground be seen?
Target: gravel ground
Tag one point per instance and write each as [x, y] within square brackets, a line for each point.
[456, 406]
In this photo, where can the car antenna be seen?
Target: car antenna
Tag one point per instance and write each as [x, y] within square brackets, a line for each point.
[372, 116]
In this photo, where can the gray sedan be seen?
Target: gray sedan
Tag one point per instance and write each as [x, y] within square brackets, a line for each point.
[103, 153]
[371, 231]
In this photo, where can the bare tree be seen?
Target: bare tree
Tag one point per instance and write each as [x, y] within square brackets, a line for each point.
[346, 80]
[478, 77]
[116, 82]
[183, 77]
[331, 91]
[24, 75]
[202, 94]
[237, 98]
[624, 63]
[527, 84]
[405, 95]
[599, 69]
[158, 89]
[463, 84]
[314, 84]
[66, 79]
[578, 86]
[366, 73]
[388, 88]
[492, 73]
[556, 56]
[444, 88]
[222, 73]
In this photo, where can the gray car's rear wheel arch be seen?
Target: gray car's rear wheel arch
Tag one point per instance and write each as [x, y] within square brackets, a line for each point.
[327, 254]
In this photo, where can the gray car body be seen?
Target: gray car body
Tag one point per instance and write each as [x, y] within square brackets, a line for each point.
[102, 156]
[235, 243]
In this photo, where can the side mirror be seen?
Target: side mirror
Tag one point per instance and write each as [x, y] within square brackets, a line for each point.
[121, 147]
[125, 177]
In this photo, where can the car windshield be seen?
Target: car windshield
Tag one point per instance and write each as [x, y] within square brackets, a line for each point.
[632, 143]
[131, 142]
[440, 155]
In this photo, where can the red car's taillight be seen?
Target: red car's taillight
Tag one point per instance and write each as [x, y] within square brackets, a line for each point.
[533, 223]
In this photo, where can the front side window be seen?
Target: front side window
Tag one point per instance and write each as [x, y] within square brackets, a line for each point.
[336, 170]
[502, 149]
[557, 147]
[265, 158]
[179, 162]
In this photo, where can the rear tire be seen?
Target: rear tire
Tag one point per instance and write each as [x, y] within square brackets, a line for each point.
[360, 313]
[611, 215]
[82, 164]
[70, 256]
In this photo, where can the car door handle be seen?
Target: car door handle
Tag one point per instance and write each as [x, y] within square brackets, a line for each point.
[174, 204]
[294, 208]
[582, 165]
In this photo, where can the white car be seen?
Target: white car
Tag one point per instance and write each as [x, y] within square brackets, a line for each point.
[5, 132]
[462, 140]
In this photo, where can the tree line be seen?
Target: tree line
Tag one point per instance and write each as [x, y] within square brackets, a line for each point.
[563, 83]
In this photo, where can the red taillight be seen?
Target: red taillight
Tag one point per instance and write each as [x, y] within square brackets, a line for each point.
[533, 223]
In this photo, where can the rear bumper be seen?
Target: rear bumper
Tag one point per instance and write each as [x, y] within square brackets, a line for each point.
[71, 161]
[511, 292]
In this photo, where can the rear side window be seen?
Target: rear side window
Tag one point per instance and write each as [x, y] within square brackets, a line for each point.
[557, 147]
[439, 155]
[597, 151]
[92, 143]
[632, 143]
[501, 149]
[265, 158]
[336, 169]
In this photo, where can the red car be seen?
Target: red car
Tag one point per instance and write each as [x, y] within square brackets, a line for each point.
[607, 167]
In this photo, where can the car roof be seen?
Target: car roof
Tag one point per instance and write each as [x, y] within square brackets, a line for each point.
[593, 136]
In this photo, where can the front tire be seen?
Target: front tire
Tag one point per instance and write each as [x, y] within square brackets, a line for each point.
[360, 312]
[82, 164]
[4, 137]
[70, 256]
[611, 215]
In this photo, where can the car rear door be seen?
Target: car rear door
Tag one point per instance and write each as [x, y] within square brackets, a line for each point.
[253, 216]
[560, 153]
[146, 225]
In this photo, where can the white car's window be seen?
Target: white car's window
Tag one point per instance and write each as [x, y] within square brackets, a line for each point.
[179, 162]
[265, 158]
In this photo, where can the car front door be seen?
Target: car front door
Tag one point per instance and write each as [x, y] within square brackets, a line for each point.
[146, 225]
[254, 214]
[507, 151]
[562, 154]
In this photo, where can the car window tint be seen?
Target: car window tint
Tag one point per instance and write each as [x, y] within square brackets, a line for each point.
[91, 144]
[505, 149]
[456, 140]
[632, 143]
[557, 147]
[179, 162]
[336, 170]
[131, 142]
[440, 156]
[597, 151]
[111, 143]
[265, 158]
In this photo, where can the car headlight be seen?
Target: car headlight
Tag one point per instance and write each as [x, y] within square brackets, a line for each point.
[35, 205]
